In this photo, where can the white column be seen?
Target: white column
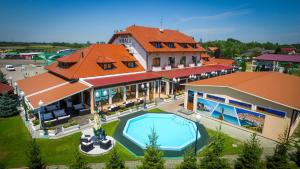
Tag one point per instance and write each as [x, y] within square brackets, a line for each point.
[148, 91]
[254, 107]
[204, 95]
[109, 96]
[195, 102]
[137, 91]
[226, 100]
[124, 93]
[167, 88]
[92, 102]
[172, 91]
[185, 99]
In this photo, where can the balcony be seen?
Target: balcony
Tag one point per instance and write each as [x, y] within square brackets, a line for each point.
[192, 65]
[169, 67]
[156, 68]
[180, 66]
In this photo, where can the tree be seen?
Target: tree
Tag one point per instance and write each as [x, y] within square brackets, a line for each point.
[279, 160]
[243, 66]
[250, 155]
[2, 78]
[78, 162]
[152, 156]
[295, 156]
[8, 106]
[34, 156]
[115, 162]
[212, 158]
[189, 160]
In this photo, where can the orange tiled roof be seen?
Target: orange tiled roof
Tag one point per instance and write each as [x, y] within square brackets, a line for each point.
[39, 82]
[216, 61]
[86, 62]
[277, 87]
[213, 48]
[55, 94]
[105, 59]
[147, 35]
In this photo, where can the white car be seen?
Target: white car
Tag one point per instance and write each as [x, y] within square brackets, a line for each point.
[10, 68]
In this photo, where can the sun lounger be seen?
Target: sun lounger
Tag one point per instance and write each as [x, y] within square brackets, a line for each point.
[51, 108]
[59, 113]
[79, 106]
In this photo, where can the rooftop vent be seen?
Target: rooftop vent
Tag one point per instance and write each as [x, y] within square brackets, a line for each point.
[82, 54]
[161, 30]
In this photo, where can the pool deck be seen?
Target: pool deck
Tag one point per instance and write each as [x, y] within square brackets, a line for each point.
[210, 123]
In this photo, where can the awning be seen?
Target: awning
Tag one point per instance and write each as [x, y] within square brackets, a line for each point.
[55, 94]
[185, 72]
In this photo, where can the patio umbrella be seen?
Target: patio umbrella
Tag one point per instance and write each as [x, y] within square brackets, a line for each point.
[97, 124]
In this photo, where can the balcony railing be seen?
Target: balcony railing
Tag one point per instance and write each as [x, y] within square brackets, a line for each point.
[156, 68]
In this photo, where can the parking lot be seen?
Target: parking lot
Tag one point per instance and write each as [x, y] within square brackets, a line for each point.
[24, 69]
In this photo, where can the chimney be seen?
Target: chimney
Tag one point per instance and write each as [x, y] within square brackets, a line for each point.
[82, 54]
[161, 30]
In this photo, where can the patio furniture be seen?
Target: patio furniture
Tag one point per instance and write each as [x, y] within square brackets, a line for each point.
[48, 117]
[128, 103]
[78, 107]
[51, 108]
[86, 138]
[105, 144]
[69, 104]
[113, 108]
[87, 146]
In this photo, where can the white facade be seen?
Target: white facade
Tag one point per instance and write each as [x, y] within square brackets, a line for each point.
[146, 60]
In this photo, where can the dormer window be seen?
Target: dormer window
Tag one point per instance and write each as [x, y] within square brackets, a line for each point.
[184, 45]
[171, 45]
[107, 66]
[194, 45]
[157, 45]
[64, 65]
[130, 64]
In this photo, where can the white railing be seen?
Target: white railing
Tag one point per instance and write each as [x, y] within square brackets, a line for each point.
[192, 65]
[168, 67]
[180, 66]
[156, 68]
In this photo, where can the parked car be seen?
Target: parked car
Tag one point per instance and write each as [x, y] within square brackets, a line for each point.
[10, 68]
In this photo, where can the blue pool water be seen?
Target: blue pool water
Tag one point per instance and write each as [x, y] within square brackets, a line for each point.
[174, 132]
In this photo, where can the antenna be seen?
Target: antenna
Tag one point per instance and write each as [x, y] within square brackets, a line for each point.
[161, 24]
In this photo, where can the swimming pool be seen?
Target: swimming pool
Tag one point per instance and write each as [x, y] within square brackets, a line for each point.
[174, 132]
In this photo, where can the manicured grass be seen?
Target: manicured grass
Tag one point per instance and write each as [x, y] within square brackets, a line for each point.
[14, 140]
[156, 110]
[228, 142]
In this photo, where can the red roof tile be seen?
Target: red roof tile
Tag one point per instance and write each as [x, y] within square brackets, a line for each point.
[147, 35]
[86, 62]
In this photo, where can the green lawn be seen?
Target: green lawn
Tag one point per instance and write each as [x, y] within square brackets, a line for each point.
[229, 141]
[14, 139]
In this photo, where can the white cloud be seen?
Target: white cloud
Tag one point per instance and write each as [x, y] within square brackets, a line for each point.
[223, 15]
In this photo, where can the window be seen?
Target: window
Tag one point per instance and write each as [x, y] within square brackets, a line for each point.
[171, 61]
[183, 60]
[272, 111]
[241, 104]
[64, 65]
[171, 45]
[156, 62]
[200, 94]
[131, 64]
[107, 66]
[194, 59]
[216, 98]
[184, 45]
[194, 45]
[157, 45]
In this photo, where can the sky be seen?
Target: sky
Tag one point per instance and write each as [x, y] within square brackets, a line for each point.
[80, 21]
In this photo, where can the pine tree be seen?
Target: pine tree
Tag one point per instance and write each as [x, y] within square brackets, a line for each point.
[250, 157]
[115, 161]
[212, 158]
[78, 162]
[34, 157]
[8, 106]
[152, 156]
[279, 160]
[189, 160]
[2, 78]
